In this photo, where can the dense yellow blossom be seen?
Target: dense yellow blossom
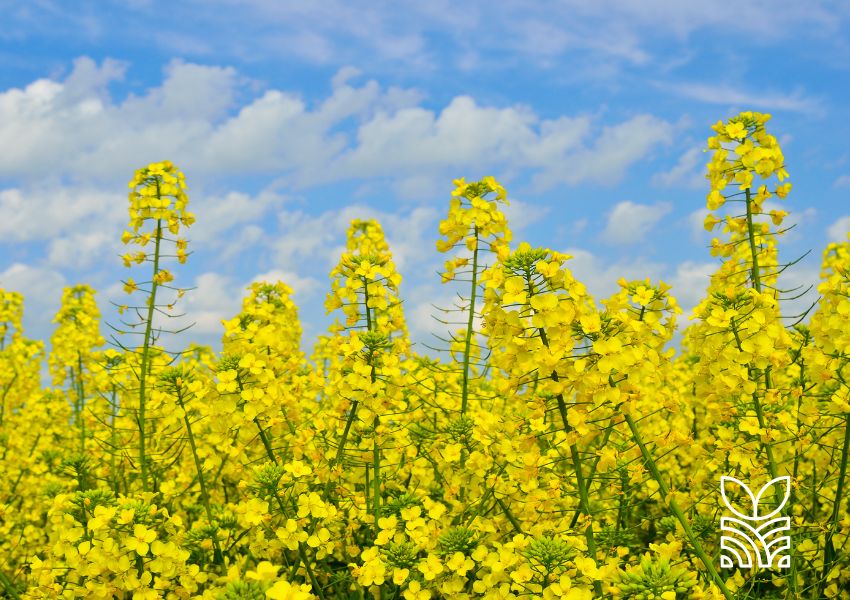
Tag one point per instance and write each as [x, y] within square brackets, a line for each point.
[560, 447]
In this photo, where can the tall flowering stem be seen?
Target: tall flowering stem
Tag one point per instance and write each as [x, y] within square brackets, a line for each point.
[77, 335]
[157, 199]
[529, 297]
[742, 151]
[476, 224]
[743, 307]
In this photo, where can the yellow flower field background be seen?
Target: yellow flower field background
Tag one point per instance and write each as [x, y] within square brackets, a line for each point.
[557, 446]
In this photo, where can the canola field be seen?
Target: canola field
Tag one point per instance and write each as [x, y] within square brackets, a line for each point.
[562, 446]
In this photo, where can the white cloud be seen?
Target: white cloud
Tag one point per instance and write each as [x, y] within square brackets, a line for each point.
[411, 236]
[837, 232]
[688, 172]
[729, 95]
[423, 310]
[462, 135]
[842, 181]
[601, 276]
[214, 298]
[420, 186]
[578, 226]
[522, 214]
[534, 32]
[302, 287]
[320, 239]
[795, 221]
[74, 128]
[614, 150]
[629, 223]
[83, 248]
[82, 224]
[217, 214]
[696, 220]
[689, 279]
[802, 278]
[42, 291]
[690, 282]
[44, 212]
[217, 296]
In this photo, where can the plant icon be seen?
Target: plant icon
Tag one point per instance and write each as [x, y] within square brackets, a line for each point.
[750, 532]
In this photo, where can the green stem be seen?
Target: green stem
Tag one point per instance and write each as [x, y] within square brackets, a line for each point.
[302, 553]
[768, 448]
[755, 273]
[8, 586]
[677, 511]
[592, 473]
[467, 347]
[376, 480]
[795, 470]
[143, 459]
[584, 498]
[340, 451]
[464, 401]
[755, 277]
[829, 550]
[341, 448]
[81, 399]
[113, 441]
[6, 393]
[265, 439]
[510, 516]
[218, 558]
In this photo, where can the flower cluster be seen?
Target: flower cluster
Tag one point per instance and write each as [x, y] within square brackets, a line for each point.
[561, 446]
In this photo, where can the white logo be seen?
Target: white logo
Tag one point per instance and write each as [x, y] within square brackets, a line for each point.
[752, 539]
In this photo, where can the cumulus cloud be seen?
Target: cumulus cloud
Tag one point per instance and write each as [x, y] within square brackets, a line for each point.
[689, 283]
[424, 310]
[221, 212]
[199, 118]
[688, 172]
[600, 275]
[42, 291]
[44, 212]
[629, 222]
[696, 223]
[82, 249]
[613, 151]
[837, 232]
[320, 239]
[74, 128]
[82, 224]
[689, 279]
[214, 298]
[522, 214]
[217, 296]
[464, 133]
[302, 287]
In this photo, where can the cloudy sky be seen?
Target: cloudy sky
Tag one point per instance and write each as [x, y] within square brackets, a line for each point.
[291, 118]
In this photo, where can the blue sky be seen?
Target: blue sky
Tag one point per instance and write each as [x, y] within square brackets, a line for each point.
[291, 118]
